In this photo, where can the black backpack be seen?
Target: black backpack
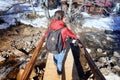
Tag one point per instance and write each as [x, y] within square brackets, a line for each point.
[54, 42]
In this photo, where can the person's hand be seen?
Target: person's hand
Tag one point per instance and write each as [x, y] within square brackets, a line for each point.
[64, 19]
[78, 36]
[80, 45]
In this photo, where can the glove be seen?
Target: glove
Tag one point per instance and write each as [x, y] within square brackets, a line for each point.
[77, 42]
[74, 41]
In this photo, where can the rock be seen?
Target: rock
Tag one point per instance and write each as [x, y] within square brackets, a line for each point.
[105, 71]
[109, 38]
[108, 31]
[112, 76]
[103, 59]
[26, 31]
[99, 50]
[9, 67]
[105, 53]
[117, 68]
[89, 50]
[104, 42]
[116, 54]
[17, 52]
[5, 54]
[114, 59]
[99, 64]
[28, 50]
[2, 59]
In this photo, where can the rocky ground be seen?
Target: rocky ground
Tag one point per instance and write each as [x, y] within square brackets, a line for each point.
[17, 44]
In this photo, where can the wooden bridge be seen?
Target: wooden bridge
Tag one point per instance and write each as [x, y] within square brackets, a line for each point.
[72, 70]
[69, 71]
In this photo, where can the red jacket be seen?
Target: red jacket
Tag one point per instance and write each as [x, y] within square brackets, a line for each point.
[55, 25]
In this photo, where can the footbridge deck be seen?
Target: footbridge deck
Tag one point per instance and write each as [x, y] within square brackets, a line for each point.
[69, 69]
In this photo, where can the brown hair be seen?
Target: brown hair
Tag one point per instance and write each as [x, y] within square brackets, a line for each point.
[59, 15]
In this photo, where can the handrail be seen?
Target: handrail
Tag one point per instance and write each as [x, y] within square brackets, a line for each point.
[96, 72]
[30, 65]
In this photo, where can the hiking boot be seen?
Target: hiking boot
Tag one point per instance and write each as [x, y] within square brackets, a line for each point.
[59, 72]
[83, 78]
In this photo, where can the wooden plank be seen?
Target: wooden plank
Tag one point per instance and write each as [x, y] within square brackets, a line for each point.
[51, 70]
[70, 70]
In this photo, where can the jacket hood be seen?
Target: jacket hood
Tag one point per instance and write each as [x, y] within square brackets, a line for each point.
[56, 24]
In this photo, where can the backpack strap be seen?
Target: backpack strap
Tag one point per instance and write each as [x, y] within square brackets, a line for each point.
[57, 29]
[61, 28]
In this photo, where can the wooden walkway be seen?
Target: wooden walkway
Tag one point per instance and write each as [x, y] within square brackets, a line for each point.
[69, 71]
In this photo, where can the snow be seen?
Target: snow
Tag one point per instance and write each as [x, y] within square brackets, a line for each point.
[112, 76]
[38, 22]
[100, 23]
[27, 9]
[4, 4]
[4, 26]
[107, 23]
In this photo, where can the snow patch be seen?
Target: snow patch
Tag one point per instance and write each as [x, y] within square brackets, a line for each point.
[112, 76]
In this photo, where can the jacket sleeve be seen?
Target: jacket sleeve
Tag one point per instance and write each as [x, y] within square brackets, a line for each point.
[70, 33]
